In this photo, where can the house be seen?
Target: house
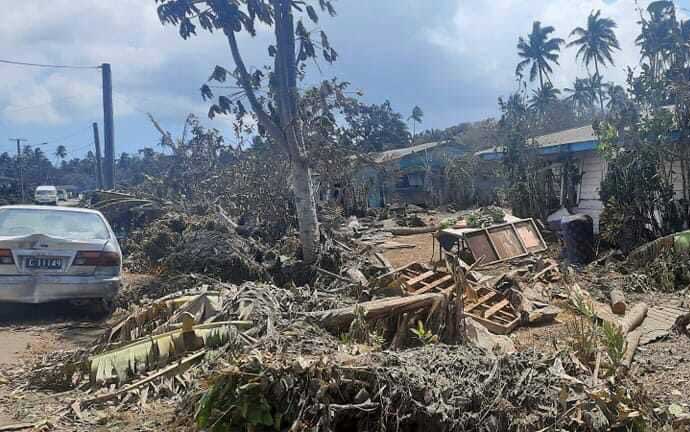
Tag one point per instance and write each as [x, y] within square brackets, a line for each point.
[409, 175]
[578, 146]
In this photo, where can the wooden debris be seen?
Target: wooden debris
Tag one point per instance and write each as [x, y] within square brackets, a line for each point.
[617, 301]
[403, 231]
[634, 318]
[493, 311]
[632, 340]
[338, 319]
[41, 425]
[384, 261]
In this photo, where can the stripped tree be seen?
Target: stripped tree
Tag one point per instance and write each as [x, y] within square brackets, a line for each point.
[273, 97]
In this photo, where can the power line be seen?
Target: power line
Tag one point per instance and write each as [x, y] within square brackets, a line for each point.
[64, 138]
[28, 107]
[43, 65]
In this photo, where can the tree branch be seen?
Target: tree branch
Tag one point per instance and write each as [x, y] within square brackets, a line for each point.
[245, 82]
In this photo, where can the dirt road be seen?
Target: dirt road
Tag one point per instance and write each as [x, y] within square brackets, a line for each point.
[29, 331]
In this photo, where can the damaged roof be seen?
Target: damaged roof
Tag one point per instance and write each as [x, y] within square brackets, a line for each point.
[400, 153]
[569, 140]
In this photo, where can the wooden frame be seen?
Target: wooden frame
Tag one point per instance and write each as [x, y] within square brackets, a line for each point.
[502, 242]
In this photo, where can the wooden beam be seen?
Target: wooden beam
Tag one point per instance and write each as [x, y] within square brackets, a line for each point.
[481, 301]
[419, 278]
[495, 308]
[433, 284]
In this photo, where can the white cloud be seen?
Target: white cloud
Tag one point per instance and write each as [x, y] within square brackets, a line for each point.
[484, 33]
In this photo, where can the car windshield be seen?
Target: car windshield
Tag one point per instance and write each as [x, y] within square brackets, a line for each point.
[45, 192]
[55, 223]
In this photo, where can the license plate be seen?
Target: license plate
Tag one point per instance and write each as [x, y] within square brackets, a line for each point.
[43, 263]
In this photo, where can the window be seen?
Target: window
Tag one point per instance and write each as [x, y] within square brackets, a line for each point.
[55, 223]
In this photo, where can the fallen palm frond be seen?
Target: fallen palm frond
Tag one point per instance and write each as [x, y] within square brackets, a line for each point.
[172, 369]
[151, 317]
[156, 351]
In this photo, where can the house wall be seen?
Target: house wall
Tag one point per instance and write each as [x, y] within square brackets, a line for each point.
[593, 169]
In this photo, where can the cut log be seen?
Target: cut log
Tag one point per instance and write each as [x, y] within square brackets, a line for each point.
[617, 302]
[414, 230]
[634, 318]
[337, 319]
[632, 340]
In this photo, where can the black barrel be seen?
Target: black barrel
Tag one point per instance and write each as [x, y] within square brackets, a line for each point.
[577, 232]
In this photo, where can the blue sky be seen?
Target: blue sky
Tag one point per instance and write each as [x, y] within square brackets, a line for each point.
[453, 58]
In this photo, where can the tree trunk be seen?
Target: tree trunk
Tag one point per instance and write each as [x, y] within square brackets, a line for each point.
[305, 206]
[601, 97]
[287, 100]
[541, 80]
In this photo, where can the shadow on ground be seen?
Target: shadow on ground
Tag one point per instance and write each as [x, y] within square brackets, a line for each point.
[70, 322]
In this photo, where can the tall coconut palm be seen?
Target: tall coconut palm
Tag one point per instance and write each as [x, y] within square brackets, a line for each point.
[596, 43]
[539, 52]
[543, 98]
[597, 87]
[656, 40]
[60, 152]
[581, 95]
[416, 117]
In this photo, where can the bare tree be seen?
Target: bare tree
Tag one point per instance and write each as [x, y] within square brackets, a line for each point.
[273, 99]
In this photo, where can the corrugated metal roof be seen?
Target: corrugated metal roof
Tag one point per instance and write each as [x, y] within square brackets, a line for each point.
[568, 136]
[395, 154]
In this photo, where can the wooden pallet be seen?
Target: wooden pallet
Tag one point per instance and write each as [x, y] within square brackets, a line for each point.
[416, 278]
[493, 311]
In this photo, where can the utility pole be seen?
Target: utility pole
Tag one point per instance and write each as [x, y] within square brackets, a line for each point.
[20, 180]
[97, 142]
[108, 128]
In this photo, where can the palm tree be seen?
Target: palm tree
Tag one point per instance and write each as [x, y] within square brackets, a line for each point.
[616, 97]
[597, 87]
[60, 152]
[596, 43]
[416, 117]
[581, 95]
[538, 52]
[657, 38]
[543, 98]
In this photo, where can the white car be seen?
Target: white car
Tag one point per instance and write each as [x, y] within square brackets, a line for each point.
[46, 195]
[60, 253]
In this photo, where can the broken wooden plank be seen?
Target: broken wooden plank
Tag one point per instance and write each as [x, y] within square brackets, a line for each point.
[481, 301]
[433, 284]
[495, 308]
[375, 309]
[419, 278]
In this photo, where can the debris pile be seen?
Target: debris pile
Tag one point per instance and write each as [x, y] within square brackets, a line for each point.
[247, 336]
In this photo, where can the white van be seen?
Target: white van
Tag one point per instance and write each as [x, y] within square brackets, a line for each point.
[46, 195]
